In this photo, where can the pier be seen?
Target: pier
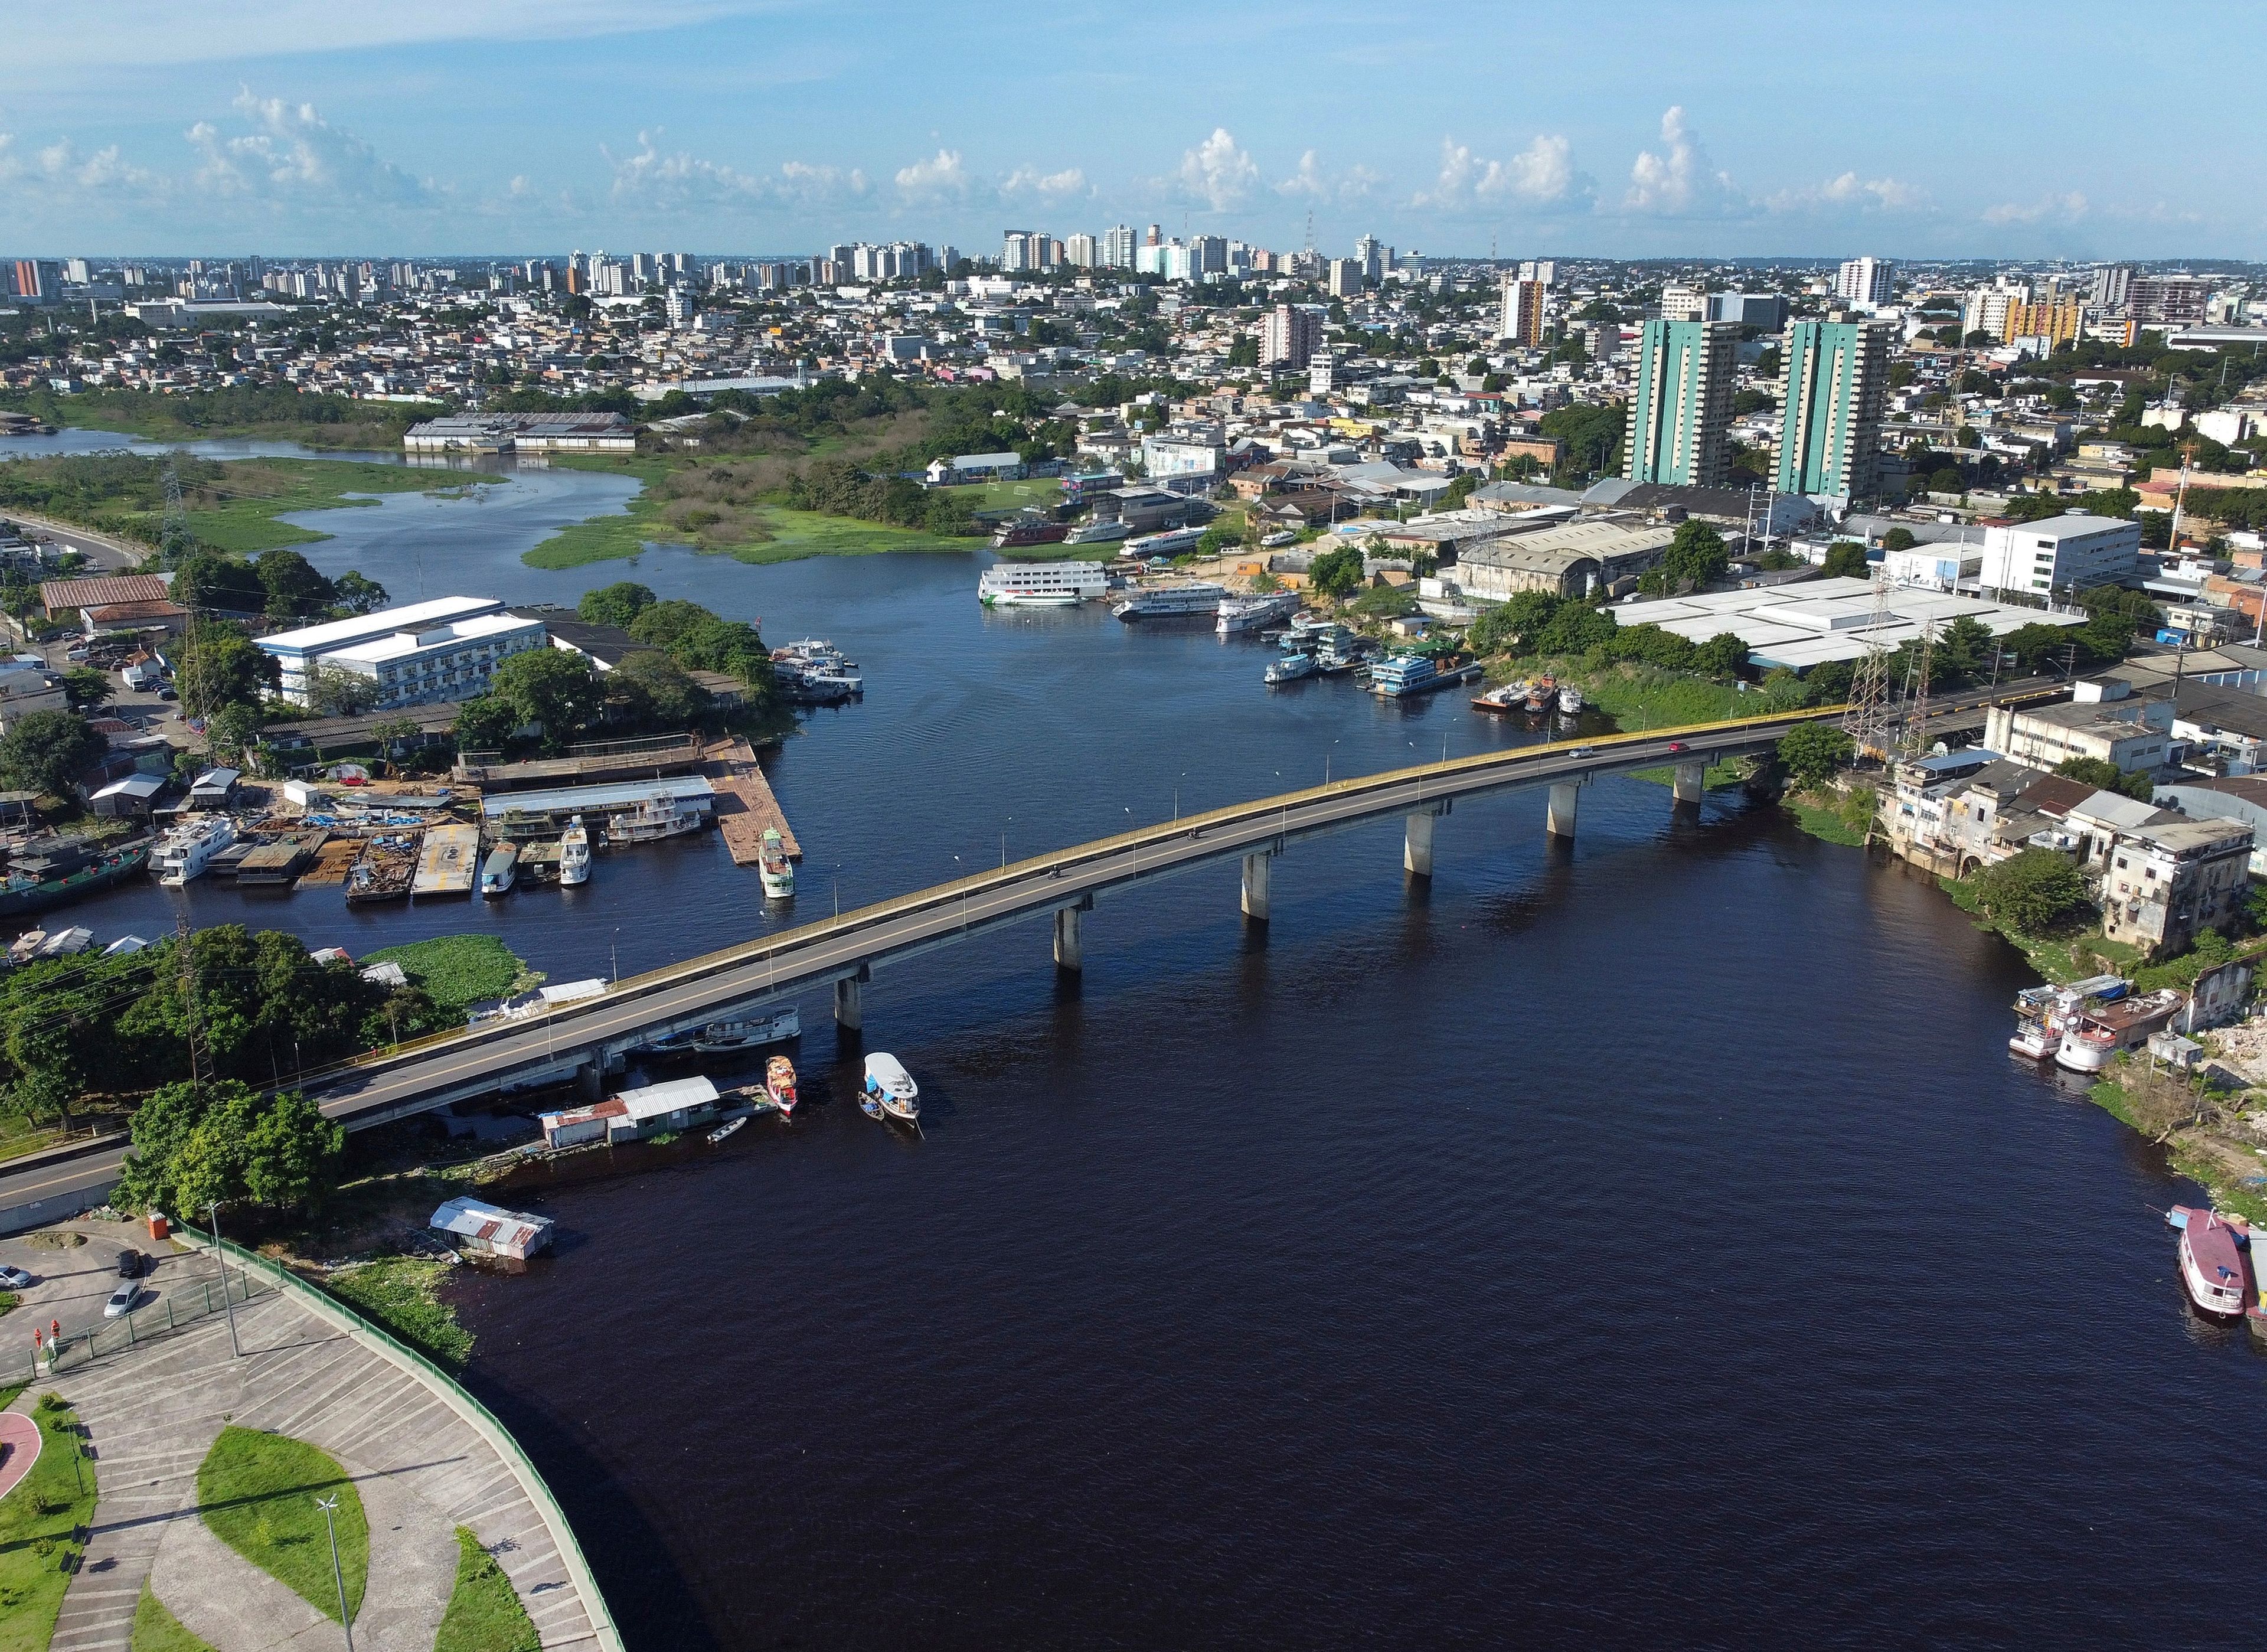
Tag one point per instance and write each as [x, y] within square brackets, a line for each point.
[746, 806]
[449, 861]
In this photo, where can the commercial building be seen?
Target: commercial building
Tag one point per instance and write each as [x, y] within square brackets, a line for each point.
[1809, 622]
[2166, 882]
[1346, 278]
[1289, 334]
[1835, 386]
[2062, 553]
[1764, 310]
[422, 665]
[1683, 304]
[2057, 322]
[1569, 559]
[2106, 722]
[302, 654]
[523, 433]
[1680, 405]
[1523, 311]
[2174, 300]
[36, 281]
[1864, 281]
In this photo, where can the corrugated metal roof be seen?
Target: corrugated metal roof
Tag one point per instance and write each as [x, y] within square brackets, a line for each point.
[98, 593]
[595, 797]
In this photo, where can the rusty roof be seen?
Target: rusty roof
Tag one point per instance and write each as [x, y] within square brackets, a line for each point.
[57, 594]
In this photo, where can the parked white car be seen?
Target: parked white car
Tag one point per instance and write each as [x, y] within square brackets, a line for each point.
[122, 1300]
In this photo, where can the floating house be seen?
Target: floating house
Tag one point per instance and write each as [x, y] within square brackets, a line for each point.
[490, 1230]
[678, 1104]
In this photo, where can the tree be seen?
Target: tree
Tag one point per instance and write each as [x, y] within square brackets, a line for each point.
[2040, 646]
[294, 589]
[484, 722]
[86, 687]
[218, 665]
[1721, 657]
[205, 580]
[224, 1143]
[656, 690]
[359, 595]
[340, 693]
[1845, 559]
[2029, 891]
[551, 686]
[1898, 539]
[48, 751]
[1337, 573]
[617, 604]
[1696, 556]
[1813, 753]
[2106, 776]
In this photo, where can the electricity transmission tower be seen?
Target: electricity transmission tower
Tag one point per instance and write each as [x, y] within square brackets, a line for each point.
[174, 540]
[1867, 720]
[1916, 740]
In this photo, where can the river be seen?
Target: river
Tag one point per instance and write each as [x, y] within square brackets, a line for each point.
[1649, 1241]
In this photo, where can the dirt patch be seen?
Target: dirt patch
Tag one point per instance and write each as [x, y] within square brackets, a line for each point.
[54, 1239]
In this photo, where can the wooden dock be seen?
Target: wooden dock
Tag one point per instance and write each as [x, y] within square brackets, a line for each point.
[448, 862]
[746, 807]
[332, 863]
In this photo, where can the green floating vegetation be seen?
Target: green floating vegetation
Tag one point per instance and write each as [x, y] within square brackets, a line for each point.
[39, 1521]
[484, 1614]
[403, 1294]
[158, 1630]
[459, 971]
[257, 1492]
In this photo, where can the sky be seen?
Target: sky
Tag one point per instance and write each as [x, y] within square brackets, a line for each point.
[1527, 127]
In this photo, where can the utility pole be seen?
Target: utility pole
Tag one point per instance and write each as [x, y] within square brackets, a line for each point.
[187, 959]
[212, 1214]
[330, 1507]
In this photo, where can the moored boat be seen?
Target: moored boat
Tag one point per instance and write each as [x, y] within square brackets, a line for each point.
[774, 867]
[722, 1037]
[1029, 532]
[1239, 614]
[2092, 1036]
[1097, 533]
[890, 1088]
[2043, 1012]
[1570, 698]
[778, 1084]
[575, 855]
[1170, 602]
[48, 879]
[185, 852]
[1292, 667]
[2215, 1265]
[1040, 584]
[500, 870]
[1501, 699]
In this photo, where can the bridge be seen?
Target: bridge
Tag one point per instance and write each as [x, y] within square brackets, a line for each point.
[585, 1041]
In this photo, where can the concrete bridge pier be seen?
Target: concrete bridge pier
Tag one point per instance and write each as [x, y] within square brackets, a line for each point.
[1689, 781]
[1417, 845]
[1070, 952]
[1565, 798]
[590, 1078]
[850, 1003]
[1255, 886]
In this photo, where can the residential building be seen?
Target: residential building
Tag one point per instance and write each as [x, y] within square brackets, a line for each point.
[2107, 722]
[1289, 335]
[1680, 405]
[1117, 246]
[1080, 251]
[420, 665]
[2165, 883]
[1834, 385]
[1764, 310]
[1945, 813]
[2174, 300]
[1523, 311]
[1183, 455]
[301, 654]
[1864, 281]
[1683, 304]
[36, 280]
[1346, 278]
[1986, 309]
[2113, 286]
[1543, 270]
[2240, 797]
[2065, 554]
[2057, 322]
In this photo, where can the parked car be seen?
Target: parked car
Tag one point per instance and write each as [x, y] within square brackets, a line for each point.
[167, 693]
[122, 1300]
[130, 1264]
[16, 1279]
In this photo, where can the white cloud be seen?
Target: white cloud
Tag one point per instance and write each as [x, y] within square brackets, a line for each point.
[1681, 179]
[1052, 188]
[293, 153]
[1848, 189]
[658, 182]
[1356, 183]
[1218, 173]
[1541, 174]
[2065, 209]
[941, 177]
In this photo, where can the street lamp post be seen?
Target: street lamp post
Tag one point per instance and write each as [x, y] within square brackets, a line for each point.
[330, 1507]
[212, 1214]
[612, 957]
[964, 897]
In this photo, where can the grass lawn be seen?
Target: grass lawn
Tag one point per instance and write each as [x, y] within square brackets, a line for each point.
[1007, 496]
[158, 1630]
[458, 971]
[402, 1294]
[239, 513]
[257, 1492]
[484, 1612]
[37, 1523]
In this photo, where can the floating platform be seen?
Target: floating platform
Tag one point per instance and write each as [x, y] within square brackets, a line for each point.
[450, 860]
[745, 805]
[385, 871]
[332, 863]
[282, 861]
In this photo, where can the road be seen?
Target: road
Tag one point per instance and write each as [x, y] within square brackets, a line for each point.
[104, 553]
[687, 995]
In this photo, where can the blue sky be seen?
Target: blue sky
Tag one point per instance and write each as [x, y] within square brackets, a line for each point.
[721, 126]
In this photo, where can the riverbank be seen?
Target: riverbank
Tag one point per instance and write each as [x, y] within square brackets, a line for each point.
[286, 414]
[746, 528]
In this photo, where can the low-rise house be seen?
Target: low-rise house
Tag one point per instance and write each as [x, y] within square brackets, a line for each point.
[678, 1105]
[2106, 721]
[487, 1229]
[1945, 813]
[2241, 798]
[2166, 882]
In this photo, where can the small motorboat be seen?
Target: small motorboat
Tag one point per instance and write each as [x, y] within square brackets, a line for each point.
[1570, 698]
[726, 1128]
[1504, 697]
[890, 1088]
[778, 1084]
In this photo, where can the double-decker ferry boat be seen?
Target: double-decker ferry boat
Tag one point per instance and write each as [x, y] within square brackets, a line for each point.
[1029, 531]
[185, 852]
[1098, 533]
[1170, 602]
[1255, 613]
[1040, 584]
[575, 855]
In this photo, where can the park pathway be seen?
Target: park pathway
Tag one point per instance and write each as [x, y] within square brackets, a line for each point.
[420, 1462]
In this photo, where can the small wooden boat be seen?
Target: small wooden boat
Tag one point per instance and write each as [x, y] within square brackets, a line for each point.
[725, 1129]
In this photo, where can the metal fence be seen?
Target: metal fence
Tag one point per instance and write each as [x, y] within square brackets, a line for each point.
[184, 1302]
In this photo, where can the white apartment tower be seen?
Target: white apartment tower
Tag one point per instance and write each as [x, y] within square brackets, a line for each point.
[1863, 280]
[1117, 246]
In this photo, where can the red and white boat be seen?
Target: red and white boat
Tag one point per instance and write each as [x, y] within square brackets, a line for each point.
[2215, 1265]
[778, 1084]
[2092, 1036]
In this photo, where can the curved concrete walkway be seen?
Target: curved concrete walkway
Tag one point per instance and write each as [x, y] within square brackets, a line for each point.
[20, 1440]
[421, 1469]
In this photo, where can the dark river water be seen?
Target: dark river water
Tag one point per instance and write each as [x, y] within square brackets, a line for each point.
[1644, 1243]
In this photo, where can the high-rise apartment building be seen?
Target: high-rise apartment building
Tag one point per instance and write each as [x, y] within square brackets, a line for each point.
[2058, 323]
[1864, 281]
[1289, 335]
[1986, 309]
[2113, 286]
[2174, 300]
[1680, 406]
[1523, 311]
[1154, 236]
[1117, 246]
[1680, 303]
[1543, 270]
[37, 280]
[1833, 387]
[1345, 278]
[1080, 251]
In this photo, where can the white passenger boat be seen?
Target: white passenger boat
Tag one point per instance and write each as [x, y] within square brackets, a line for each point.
[186, 850]
[1292, 667]
[575, 853]
[499, 869]
[1170, 602]
[1040, 584]
[1239, 614]
[1570, 698]
[1097, 533]
[2095, 1034]
[722, 1037]
[1172, 542]
[663, 815]
[890, 1088]
[774, 867]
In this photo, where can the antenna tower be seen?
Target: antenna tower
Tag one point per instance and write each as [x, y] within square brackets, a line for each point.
[1867, 720]
[200, 1058]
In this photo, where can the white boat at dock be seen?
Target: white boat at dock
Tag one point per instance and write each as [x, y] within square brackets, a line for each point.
[1292, 667]
[1570, 698]
[663, 815]
[774, 867]
[499, 870]
[1040, 584]
[890, 1088]
[722, 1037]
[1240, 614]
[1098, 533]
[2095, 1034]
[575, 855]
[1187, 601]
[186, 850]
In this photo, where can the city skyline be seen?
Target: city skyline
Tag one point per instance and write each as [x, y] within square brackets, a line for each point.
[730, 123]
